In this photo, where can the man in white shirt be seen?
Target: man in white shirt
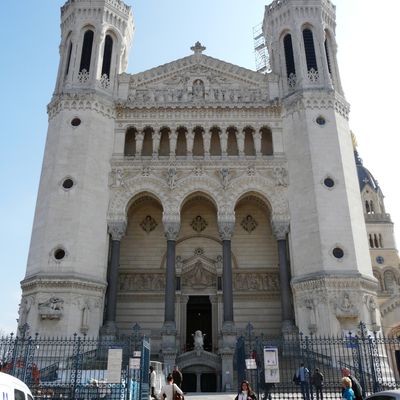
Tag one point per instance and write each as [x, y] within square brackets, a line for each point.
[152, 383]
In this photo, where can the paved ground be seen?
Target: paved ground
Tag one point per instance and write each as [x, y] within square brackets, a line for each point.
[210, 396]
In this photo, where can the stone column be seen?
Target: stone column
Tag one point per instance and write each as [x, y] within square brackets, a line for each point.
[224, 142]
[184, 301]
[173, 137]
[207, 142]
[257, 143]
[240, 140]
[139, 143]
[189, 144]
[168, 346]
[226, 227]
[117, 231]
[214, 321]
[198, 382]
[280, 230]
[156, 143]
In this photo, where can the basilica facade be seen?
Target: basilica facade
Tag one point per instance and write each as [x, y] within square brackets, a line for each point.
[200, 195]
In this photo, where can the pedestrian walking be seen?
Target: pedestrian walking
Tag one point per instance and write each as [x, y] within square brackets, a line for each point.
[317, 380]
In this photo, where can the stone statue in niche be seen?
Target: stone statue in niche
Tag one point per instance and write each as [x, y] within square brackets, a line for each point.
[198, 89]
[198, 340]
[280, 176]
[171, 177]
[51, 309]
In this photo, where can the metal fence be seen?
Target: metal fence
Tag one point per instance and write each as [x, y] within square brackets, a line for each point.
[79, 367]
[373, 359]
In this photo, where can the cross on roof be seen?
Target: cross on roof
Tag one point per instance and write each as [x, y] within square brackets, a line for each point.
[198, 48]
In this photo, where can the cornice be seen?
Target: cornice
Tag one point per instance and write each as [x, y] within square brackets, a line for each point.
[35, 283]
[390, 305]
[81, 102]
[317, 99]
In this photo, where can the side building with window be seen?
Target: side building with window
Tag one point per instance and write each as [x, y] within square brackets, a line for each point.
[384, 254]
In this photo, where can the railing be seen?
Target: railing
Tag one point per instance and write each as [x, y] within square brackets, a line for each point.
[76, 367]
[372, 358]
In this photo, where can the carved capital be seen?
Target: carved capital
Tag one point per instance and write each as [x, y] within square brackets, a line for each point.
[280, 229]
[117, 229]
[226, 225]
[172, 226]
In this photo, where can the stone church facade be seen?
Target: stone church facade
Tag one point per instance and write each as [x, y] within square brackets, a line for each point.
[199, 195]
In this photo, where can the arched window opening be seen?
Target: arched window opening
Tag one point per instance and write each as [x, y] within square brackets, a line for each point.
[215, 144]
[289, 56]
[309, 50]
[371, 242]
[147, 149]
[68, 58]
[164, 149]
[367, 209]
[86, 51]
[130, 142]
[380, 241]
[266, 142]
[181, 146]
[108, 46]
[328, 58]
[232, 142]
[376, 244]
[371, 207]
[249, 148]
[198, 144]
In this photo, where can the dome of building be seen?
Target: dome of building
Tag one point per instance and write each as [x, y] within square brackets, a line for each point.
[364, 176]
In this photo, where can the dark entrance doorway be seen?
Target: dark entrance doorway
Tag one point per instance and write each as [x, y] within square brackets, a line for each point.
[198, 318]
[189, 382]
[208, 383]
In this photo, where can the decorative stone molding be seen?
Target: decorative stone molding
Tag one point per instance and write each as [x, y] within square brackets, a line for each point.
[249, 223]
[81, 101]
[281, 176]
[199, 224]
[280, 228]
[172, 226]
[171, 177]
[148, 224]
[224, 176]
[226, 226]
[256, 282]
[344, 306]
[141, 281]
[116, 229]
[198, 277]
[59, 283]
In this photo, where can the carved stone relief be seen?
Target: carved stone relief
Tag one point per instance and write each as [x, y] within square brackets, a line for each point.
[197, 277]
[52, 308]
[256, 281]
[249, 223]
[198, 224]
[148, 224]
[140, 281]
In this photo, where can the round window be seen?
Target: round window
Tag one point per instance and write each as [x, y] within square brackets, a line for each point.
[68, 183]
[338, 252]
[380, 260]
[59, 254]
[321, 121]
[329, 182]
[76, 122]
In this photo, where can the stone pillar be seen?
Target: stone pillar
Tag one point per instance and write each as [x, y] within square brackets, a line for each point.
[189, 144]
[156, 143]
[184, 301]
[257, 143]
[226, 224]
[173, 137]
[226, 227]
[117, 231]
[240, 141]
[198, 382]
[207, 143]
[224, 142]
[139, 143]
[168, 345]
[214, 321]
[280, 230]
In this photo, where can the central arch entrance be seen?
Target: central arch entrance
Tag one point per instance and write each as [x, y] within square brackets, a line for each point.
[199, 318]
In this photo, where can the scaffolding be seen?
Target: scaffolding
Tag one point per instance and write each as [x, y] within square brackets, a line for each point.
[260, 50]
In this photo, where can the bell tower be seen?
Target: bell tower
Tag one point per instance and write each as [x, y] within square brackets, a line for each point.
[95, 41]
[64, 288]
[332, 278]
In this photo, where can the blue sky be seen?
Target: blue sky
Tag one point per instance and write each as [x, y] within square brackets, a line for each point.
[368, 41]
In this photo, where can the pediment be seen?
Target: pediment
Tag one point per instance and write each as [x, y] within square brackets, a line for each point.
[199, 79]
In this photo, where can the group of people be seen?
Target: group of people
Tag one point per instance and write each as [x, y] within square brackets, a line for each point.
[351, 388]
[171, 389]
